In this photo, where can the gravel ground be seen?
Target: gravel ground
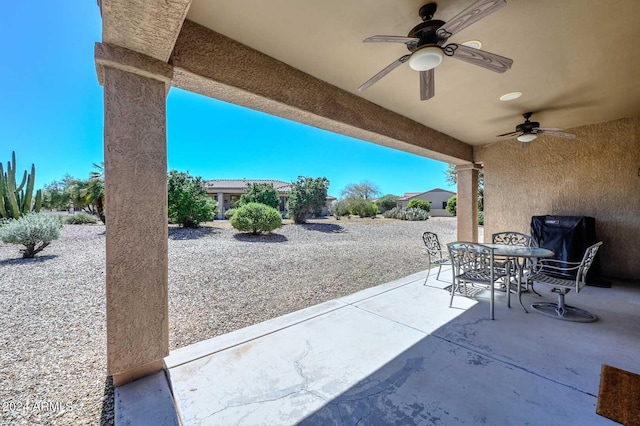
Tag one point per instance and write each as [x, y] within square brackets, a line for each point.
[53, 321]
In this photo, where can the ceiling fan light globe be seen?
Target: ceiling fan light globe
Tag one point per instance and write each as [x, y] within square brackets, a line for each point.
[426, 58]
[527, 137]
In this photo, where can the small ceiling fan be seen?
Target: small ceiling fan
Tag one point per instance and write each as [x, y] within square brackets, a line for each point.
[425, 41]
[529, 130]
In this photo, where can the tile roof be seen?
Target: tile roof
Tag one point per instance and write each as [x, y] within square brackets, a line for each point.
[410, 195]
[214, 184]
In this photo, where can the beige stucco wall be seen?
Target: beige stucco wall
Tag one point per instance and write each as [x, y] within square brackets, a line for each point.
[596, 174]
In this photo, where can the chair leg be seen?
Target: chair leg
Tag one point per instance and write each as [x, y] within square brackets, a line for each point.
[453, 291]
[439, 268]
[428, 273]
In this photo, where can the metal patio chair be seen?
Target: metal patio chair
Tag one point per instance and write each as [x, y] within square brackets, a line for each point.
[550, 272]
[435, 254]
[474, 263]
[513, 238]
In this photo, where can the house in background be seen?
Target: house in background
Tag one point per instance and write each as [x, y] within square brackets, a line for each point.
[230, 191]
[437, 197]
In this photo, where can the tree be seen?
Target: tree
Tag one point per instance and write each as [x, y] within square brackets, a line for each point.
[307, 196]
[187, 200]
[256, 217]
[419, 204]
[452, 177]
[364, 189]
[387, 202]
[55, 196]
[94, 191]
[263, 193]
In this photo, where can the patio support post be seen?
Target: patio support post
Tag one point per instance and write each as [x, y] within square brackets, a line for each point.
[135, 154]
[467, 203]
[220, 205]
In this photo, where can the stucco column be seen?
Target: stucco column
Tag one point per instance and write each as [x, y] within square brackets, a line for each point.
[220, 205]
[467, 203]
[135, 154]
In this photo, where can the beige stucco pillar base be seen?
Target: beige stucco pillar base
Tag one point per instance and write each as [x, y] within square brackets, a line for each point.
[467, 203]
[135, 153]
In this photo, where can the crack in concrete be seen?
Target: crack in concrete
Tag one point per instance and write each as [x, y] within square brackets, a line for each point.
[301, 388]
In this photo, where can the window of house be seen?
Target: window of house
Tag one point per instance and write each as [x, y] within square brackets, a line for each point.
[444, 204]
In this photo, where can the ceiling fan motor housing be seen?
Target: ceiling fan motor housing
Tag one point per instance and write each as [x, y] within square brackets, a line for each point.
[527, 126]
[427, 33]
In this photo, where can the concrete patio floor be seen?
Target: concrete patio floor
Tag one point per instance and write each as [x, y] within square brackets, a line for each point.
[397, 354]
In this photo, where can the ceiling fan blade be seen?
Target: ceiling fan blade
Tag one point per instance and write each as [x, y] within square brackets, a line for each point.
[558, 134]
[481, 58]
[427, 85]
[475, 12]
[391, 39]
[546, 129]
[393, 65]
[509, 134]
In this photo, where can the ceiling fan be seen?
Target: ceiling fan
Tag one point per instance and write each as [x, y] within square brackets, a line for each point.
[425, 41]
[529, 130]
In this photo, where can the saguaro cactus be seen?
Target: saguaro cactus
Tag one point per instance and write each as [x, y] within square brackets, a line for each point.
[16, 200]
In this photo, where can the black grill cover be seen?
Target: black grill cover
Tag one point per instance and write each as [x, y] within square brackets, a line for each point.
[567, 236]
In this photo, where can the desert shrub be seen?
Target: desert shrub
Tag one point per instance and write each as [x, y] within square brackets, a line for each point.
[406, 214]
[480, 218]
[387, 202]
[362, 207]
[35, 231]
[415, 214]
[452, 205]
[392, 213]
[256, 217]
[81, 219]
[419, 204]
[339, 208]
[229, 213]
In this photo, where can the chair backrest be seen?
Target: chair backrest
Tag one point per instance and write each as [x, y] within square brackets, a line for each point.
[587, 260]
[433, 245]
[466, 256]
[511, 238]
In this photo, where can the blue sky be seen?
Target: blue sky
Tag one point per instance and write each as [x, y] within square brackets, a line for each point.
[51, 114]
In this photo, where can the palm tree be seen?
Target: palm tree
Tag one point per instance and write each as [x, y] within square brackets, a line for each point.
[95, 190]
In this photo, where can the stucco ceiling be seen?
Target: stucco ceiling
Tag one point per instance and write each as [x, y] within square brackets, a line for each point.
[576, 61]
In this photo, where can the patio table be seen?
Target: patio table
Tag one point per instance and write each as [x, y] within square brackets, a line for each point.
[520, 254]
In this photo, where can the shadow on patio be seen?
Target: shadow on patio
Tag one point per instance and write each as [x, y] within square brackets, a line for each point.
[396, 354]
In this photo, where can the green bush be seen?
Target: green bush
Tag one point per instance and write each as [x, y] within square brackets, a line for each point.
[387, 202]
[263, 193]
[229, 213]
[480, 218]
[307, 197]
[35, 231]
[339, 208]
[419, 204]
[452, 205]
[81, 219]
[362, 207]
[256, 217]
[187, 200]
